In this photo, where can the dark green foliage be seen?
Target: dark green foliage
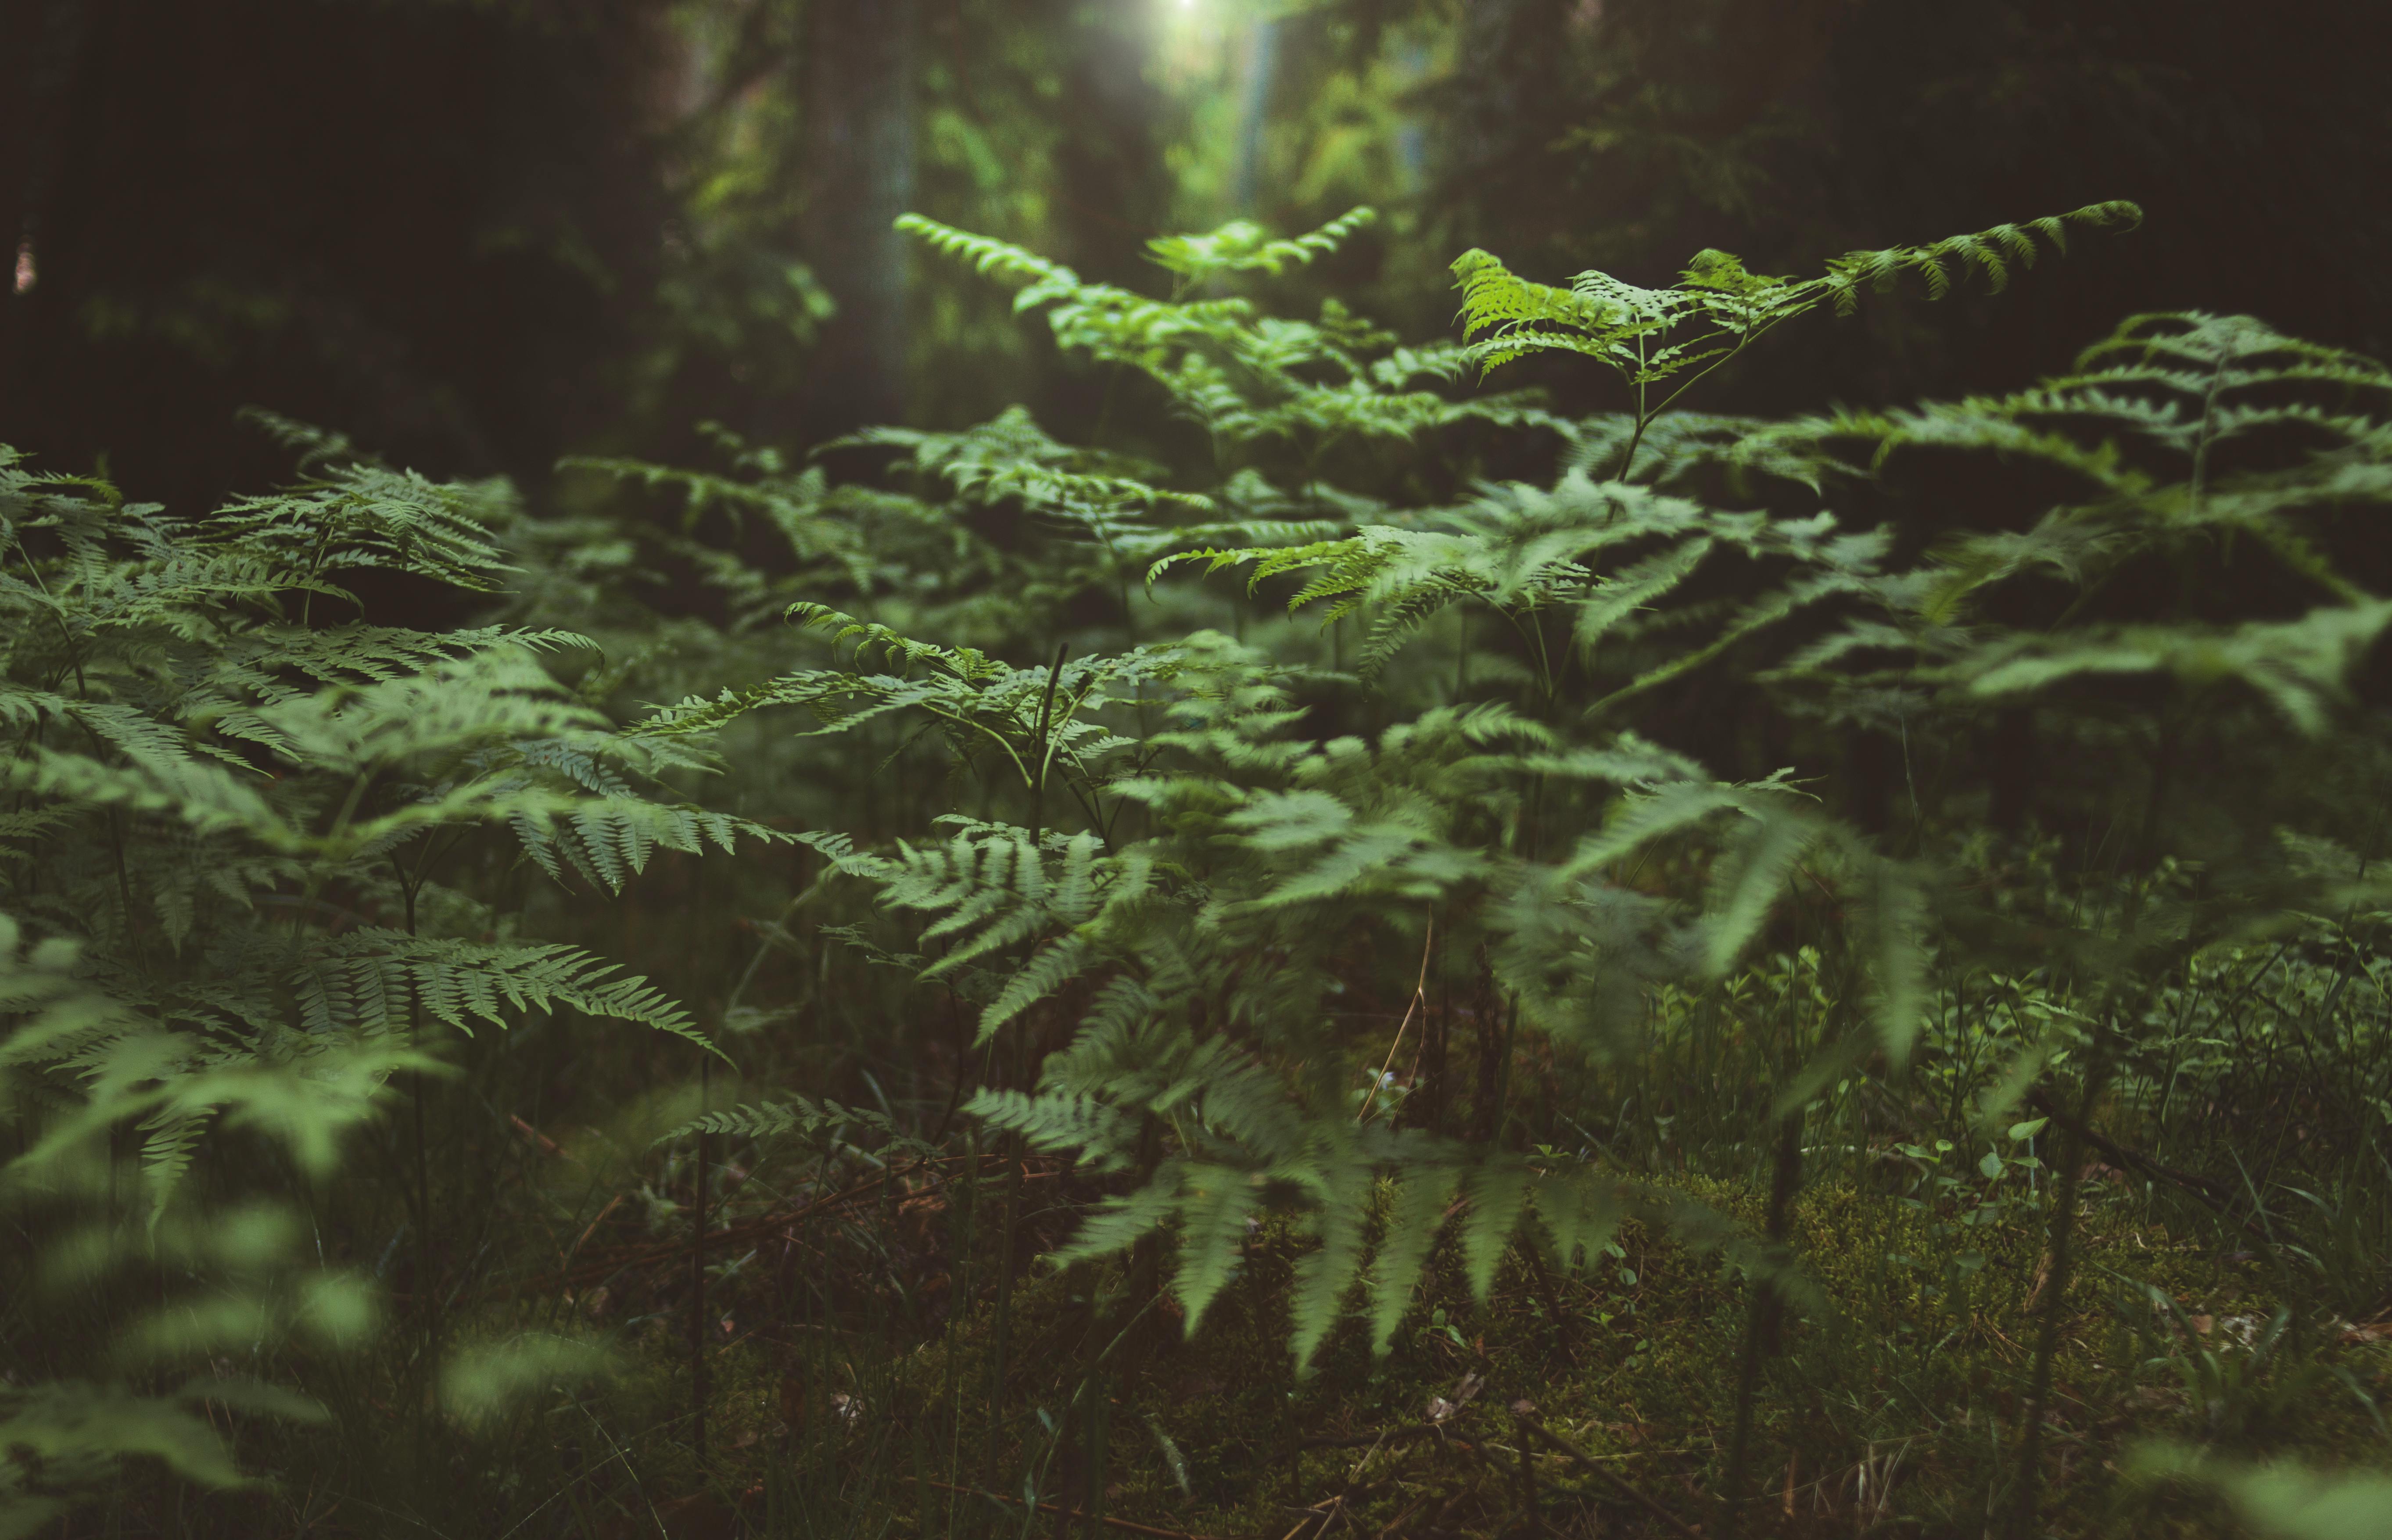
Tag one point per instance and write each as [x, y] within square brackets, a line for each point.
[233, 827]
[1491, 879]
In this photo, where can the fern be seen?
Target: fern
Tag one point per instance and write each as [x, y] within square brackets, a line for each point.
[1248, 381]
[816, 1123]
[1011, 458]
[1350, 833]
[70, 1436]
[1242, 246]
[1207, 887]
[1259, 847]
[1718, 307]
[224, 799]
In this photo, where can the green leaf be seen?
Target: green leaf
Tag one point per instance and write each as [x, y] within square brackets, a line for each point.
[1497, 1191]
[1214, 1203]
[1415, 1218]
[1326, 1273]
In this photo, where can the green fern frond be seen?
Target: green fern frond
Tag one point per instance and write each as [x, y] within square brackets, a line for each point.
[1242, 246]
[1987, 252]
[1579, 1211]
[2298, 667]
[1095, 1133]
[1415, 1218]
[1650, 336]
[1011, 457]
[355, 515]
[1326, 1273]
[1749, 877]
[1215, 1203]
[991, 257]
[798, 1117]
[608, 839]
[1496, 1196]
[367, 980]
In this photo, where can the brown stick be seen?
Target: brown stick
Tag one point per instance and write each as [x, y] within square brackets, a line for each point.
[1388, 1530]
[1419, 999]
[611, 1204]
[1121, 1524]
[2200, 1187]
[2212, 1193]
[546, 1145]
[1620, 1483]
[1528, 1499]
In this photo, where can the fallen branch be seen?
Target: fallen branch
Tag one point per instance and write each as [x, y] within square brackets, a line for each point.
[545, 1144]
[2216, 1194]
[1619, 1483]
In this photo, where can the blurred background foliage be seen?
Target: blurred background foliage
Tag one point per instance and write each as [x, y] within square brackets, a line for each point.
[479, 234]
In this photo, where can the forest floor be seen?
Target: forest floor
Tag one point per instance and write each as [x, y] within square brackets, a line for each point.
[1599, 1402]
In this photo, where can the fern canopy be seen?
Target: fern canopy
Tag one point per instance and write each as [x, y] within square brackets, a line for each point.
[1650, 735]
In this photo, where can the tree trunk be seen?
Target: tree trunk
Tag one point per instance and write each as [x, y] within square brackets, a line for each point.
[1253, 114]
[860, 100]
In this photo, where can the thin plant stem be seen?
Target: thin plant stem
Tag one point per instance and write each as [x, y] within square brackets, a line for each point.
[427, 1292]
[2026, 1500]
[698, 1272]
[1761, 1322]
[1046, 721]
[1001, 1328]
[1419, 999]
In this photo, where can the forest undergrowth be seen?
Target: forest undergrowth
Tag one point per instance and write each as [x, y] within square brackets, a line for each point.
[1353, 954]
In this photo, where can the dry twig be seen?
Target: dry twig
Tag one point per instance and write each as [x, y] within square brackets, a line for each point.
[1619, 1483]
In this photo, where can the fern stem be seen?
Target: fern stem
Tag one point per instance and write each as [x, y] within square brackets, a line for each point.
[698, 1273]
[2027, 1493]
[1504, 1069]
[427, 1291]
[1483, 1112]
[1045, 717]
[115, 824]
[1643, 420]
[123, 881]
[1001, 1328]
[1099, 1448]
[1636, 435]
[1000, 1337]
[965, 1286]
[427, 1294]
[1001, 1332]
[1761, 1322]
